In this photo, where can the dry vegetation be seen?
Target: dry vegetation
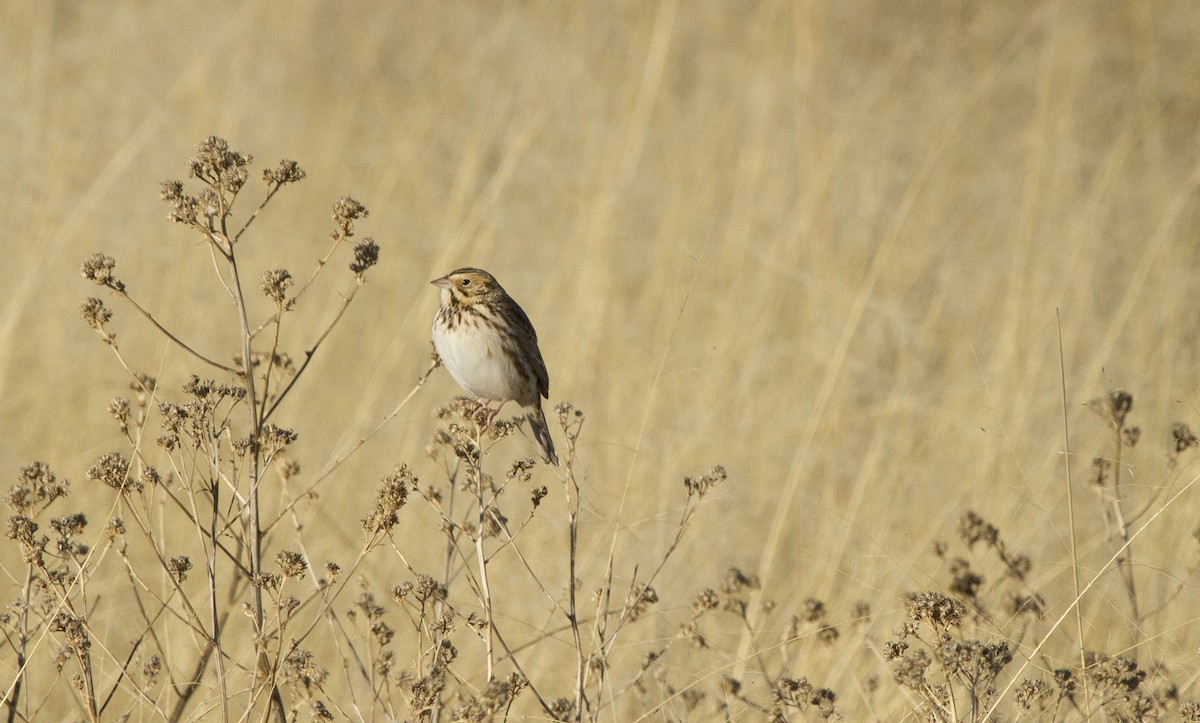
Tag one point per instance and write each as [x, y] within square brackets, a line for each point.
[826, 291]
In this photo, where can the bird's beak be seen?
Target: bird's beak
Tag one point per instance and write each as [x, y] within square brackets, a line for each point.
[442, 283]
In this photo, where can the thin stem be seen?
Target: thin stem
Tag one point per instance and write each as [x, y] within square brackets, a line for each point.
[176, 340]
[255, 531]
[308, 355]
[270, 194]
[571, 485]
[1062, 368]
[1125, 563]
[271, 366]
[214, 607]
[484, 589]
[14, 695]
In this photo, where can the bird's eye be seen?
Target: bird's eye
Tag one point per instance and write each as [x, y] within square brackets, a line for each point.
[464, 283]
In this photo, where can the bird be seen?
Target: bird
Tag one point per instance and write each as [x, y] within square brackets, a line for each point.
[489, 346]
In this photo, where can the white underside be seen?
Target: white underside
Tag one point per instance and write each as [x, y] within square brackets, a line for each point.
[478, 363]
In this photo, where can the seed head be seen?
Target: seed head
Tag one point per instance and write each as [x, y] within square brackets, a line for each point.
[98, 268]
[284, 172]
[275, 285]
[179, 567]
[366, 255]
[346, 211]
[113, 470]
[292, 564]
[218, 166]
[389, 498]
[96, 315]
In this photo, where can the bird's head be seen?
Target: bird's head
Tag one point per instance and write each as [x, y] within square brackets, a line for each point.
[467, 286]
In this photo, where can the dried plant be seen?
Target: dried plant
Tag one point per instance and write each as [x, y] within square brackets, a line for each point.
[230, 623]
[218, 439]
[183, 601]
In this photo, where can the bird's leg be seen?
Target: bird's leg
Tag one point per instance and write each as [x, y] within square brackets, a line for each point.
[487, 414]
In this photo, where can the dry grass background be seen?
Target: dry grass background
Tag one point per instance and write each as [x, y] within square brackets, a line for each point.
[819, 243]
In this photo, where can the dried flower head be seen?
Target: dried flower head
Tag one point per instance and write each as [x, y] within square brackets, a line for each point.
[705, 601]
[908, 668]
[1116, 671]
[201, 388]
[346, 211]
[175, 419]
[96, 315]
[1065, 680]
[113, 470]
[1183, 436]
[793, 692]
[98, 268]
[24, 530]
[1113, 407]
[736, 581]
[972, 529]
[428, 588]
[937, 610]
[389, 498]
[151, 668]
[292, 564]
[366, 255]
[68, 526]
[702, 484]
[823, 700]
[321, 712]
[75, 630]
[894, 649]
[286, 467]
[521, 471]
[267, 580]
[284, 172]
[275, 284]
[149, 476]
[272, 439]
[1033, 694]
[690, 631]
[143, 385]
[562, 709]
[495, 700]
[179, 567]
[982, 662]
[966, 583]
[185, 208]
[116, 527]
[1190, 712]
[828, 635]
[401, 591]
[37, 486]
[639, 600]
[300, 670]
[814, 610]
[218, 166]
[120, 410]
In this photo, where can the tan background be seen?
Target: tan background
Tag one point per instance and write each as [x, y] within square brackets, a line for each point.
[822, 244]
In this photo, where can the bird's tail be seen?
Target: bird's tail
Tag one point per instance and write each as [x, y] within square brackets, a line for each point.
[541, 432]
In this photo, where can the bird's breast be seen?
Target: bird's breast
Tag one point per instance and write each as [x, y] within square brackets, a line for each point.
[479, 359]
